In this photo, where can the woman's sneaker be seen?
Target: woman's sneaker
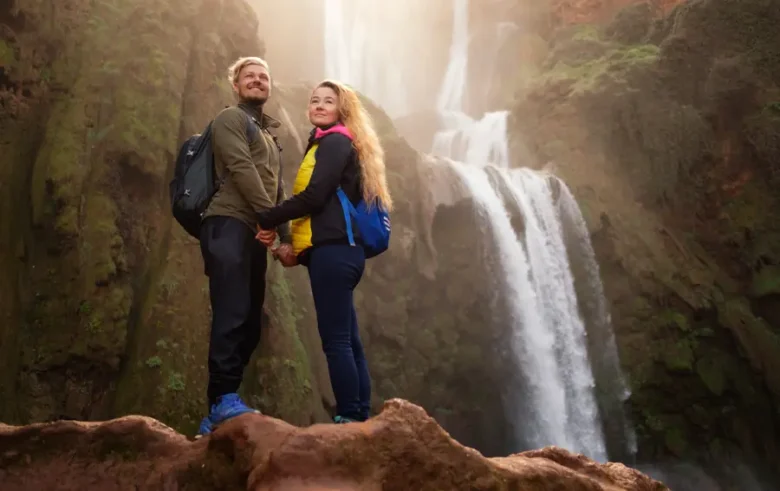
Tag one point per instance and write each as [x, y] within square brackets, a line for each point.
[340, 420]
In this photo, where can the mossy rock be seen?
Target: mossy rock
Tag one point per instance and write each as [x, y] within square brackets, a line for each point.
[766, 282]
[577, 44]
[672, 318]
[758, 341]
[631, 24]
[612, 67]
[712, 373]
[676, 441]
[7, 54]
[679, 356]
[762, 131]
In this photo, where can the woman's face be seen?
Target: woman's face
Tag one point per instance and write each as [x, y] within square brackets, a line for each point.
[323, 107]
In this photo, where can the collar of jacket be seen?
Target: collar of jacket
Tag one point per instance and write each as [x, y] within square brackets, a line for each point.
[266, 121]
[318, 132]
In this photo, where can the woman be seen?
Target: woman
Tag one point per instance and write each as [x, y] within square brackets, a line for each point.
[343, 152]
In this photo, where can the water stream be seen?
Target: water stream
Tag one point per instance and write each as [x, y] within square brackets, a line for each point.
[352, 38]
[553, 399]
[554, 395]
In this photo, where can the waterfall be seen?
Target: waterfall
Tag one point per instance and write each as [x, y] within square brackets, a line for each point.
[473, 142]
[553, 401]
[354, 34]
[558, 325]
[454, 87]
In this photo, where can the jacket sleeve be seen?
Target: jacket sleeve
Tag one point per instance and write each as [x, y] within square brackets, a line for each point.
[232, 147]
[332, 156]
[284, 228]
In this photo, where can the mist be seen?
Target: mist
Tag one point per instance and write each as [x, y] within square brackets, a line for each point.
[395, 53]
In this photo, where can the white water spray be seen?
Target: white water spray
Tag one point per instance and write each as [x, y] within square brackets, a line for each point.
[554, 402]
[453, 89]
[350, 44]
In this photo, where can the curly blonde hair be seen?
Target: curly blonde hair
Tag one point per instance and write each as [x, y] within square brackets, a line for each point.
[371, 155]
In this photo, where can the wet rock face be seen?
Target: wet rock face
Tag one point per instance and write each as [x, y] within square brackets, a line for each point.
[569, 12]
[661, 128]
[105, 304]
[400, 449]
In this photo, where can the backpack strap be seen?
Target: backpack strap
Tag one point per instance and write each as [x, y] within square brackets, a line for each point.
[349, 210]
[252, 128]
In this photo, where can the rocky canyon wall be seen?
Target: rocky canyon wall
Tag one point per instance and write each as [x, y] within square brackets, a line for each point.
[104, 300]
[666, 128]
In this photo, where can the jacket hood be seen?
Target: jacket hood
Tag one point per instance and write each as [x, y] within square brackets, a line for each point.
[336, 128]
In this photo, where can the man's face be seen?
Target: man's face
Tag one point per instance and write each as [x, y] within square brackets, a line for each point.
[254, 84]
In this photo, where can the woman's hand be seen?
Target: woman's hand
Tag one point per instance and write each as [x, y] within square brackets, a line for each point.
[265, 237]
[285, 255]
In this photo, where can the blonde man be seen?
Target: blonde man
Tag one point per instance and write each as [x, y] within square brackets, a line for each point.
[247, 163]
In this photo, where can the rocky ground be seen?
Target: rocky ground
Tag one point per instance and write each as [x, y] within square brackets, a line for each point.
[401, 449]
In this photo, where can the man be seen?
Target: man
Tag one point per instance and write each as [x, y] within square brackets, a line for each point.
[247, 161]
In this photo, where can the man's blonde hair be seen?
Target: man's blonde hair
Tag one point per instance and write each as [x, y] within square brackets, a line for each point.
[241, 63]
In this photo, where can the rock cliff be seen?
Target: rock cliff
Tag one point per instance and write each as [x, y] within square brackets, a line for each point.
[667, 128]
[401, 449]
[105, 306]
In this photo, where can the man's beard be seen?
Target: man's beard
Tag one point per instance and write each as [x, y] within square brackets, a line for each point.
[255, 100]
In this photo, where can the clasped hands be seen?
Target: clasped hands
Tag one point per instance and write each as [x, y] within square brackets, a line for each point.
[283, 252]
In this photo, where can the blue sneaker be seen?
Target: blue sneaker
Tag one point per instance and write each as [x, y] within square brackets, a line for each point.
[228, 406]
[341, 420]
[206, 426]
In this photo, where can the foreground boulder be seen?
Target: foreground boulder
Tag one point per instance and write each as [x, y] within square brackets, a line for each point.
[400, 449]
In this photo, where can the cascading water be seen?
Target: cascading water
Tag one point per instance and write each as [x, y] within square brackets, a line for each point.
[452, 91]
[348, 44]
[556, 353]
[555, 398]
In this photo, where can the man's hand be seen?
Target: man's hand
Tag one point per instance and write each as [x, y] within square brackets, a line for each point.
[285, 255]
[266, 237]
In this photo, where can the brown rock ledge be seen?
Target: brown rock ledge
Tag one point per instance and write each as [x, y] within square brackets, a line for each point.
[400, 449]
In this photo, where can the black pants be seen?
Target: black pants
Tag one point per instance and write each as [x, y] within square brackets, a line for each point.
[235, 264]
[335, 271]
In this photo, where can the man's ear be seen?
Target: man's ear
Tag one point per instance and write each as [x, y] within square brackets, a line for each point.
[235, 88]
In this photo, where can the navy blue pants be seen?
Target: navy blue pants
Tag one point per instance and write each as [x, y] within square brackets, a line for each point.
[235, 264]
[335, 271]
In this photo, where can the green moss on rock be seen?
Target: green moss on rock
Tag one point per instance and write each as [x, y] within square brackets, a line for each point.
[679, 356]
[711, 372]
[676, 441]
[280, 380]
[766, 282]
[674, 319]
[7, 55]
[615, 65]
[760, 344]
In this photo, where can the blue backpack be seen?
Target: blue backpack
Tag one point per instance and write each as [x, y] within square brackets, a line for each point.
[373, 223]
